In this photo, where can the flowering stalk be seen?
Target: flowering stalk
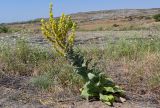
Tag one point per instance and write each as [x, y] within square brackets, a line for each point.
[61, 33]
[57, 32]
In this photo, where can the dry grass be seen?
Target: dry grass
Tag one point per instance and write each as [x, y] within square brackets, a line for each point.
[133, 64]
[121, 25]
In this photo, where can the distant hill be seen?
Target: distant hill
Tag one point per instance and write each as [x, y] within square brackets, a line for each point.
[107, 14]
[114, 14]
[119, 19]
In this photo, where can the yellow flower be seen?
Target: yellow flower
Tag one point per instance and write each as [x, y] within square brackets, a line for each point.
[57, 32]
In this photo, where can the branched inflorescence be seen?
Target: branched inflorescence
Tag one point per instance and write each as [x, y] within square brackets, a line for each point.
[61, 33]
[57, 32]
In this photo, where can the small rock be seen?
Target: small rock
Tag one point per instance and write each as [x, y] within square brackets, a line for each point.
[122, 99]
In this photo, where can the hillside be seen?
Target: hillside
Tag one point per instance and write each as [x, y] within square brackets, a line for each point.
[115, 14]
[120, 19]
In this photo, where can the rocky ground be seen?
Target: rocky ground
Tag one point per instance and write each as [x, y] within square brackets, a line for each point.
[17, 93]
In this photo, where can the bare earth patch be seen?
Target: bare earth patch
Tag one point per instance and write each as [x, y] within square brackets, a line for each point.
[16, 92]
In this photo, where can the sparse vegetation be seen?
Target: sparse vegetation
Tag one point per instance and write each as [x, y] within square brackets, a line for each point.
[157, 17]
[126, 51]
[20, 59]
[4, 29]
[140, 58]
[99, 29]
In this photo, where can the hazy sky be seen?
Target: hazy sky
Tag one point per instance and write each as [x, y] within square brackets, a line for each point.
[21, 10]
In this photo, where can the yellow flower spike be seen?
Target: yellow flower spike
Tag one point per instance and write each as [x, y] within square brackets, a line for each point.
[57, 32]
[51, 11]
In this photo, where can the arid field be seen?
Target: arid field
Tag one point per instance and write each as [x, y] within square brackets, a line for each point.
[124, 45]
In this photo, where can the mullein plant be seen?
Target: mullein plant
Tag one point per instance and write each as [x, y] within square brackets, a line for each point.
[61, 33]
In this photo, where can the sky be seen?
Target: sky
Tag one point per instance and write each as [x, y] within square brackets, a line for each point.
[23, 10]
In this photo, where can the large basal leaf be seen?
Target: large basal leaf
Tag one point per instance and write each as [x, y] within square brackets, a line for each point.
[109, 89]
[89, 90]
[85, 93]
[108, 99]
[117, 89]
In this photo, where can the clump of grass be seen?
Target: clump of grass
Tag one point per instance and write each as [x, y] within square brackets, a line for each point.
[4, 29]
[155, 80]
[57, 74]
[42, 81]
[129, 48]
[157, 17]
[99, 28]
[30, 55]
[132, 48]
[22, 58]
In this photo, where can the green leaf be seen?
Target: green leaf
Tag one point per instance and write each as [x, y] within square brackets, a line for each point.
[109, 82]
[108, 99]
[85, 93]
[117, 89]
[89, 90]
[91, 76]
[105, 81]
[109, 89]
